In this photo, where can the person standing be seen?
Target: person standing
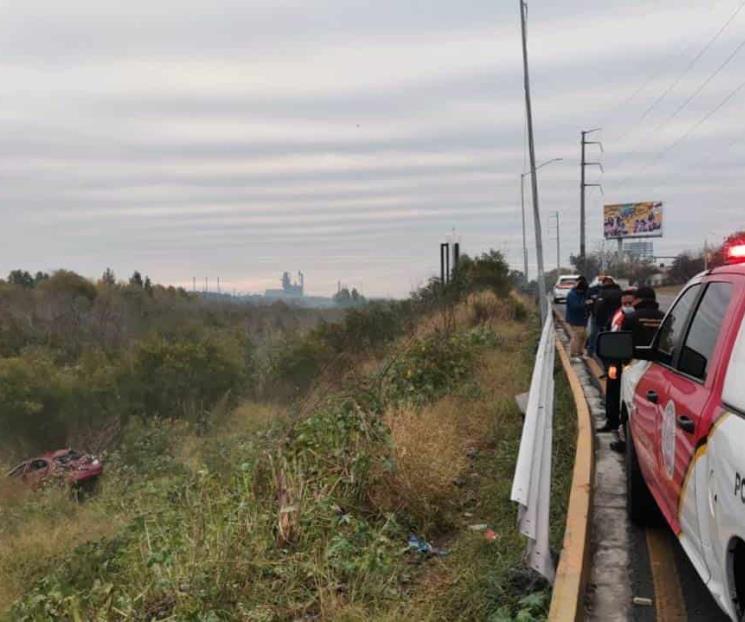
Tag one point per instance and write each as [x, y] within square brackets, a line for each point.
[592, 295]
[607, 303]
[626, 308]
[643, 323]
[576, 316]
[646, 318]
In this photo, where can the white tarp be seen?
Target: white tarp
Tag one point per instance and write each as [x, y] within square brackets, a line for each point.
[531, 487]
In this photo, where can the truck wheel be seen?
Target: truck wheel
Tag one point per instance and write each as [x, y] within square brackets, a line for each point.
[642, 507]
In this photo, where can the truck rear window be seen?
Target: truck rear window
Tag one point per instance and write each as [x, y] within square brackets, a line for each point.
[704, 332]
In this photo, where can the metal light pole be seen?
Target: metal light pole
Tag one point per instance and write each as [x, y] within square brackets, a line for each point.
[543, 303]
[558, 246]
[522, 209]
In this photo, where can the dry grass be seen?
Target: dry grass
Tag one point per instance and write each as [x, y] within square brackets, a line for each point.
[429, 454]
[430, 446]
[484, 307]
[36, 527]
[253, 417]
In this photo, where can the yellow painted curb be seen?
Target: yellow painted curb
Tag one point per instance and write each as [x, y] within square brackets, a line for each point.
[567, 600]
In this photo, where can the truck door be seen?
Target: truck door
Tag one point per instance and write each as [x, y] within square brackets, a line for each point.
[686, 414]
[652, 395]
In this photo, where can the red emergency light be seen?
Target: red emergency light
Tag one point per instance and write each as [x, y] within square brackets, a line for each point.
[735, 253]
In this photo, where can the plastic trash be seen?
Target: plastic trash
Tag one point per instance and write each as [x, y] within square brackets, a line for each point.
[420, 545]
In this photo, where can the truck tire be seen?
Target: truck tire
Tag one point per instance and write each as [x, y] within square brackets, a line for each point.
[642, 507]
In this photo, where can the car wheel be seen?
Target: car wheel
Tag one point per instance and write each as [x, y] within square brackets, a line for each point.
[642, 507]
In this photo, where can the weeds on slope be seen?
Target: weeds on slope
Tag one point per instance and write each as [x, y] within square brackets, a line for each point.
[278, 514]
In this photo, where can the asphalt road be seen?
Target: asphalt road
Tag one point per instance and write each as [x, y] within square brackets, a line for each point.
[660, 569]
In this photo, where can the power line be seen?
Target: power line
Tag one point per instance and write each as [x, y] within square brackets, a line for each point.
[685, 72]
[688, 101]
[703, 85]
[733, 93]
[693, 62]
[658, 73]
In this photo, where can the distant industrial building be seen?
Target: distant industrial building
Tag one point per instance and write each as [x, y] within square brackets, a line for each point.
[290, 289]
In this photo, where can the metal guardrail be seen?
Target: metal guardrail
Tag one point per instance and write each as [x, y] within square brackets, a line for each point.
[531, 486]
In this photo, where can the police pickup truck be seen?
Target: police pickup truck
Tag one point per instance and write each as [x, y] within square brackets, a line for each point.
[683, 400]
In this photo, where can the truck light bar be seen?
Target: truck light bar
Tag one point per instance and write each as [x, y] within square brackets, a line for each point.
[736, 253]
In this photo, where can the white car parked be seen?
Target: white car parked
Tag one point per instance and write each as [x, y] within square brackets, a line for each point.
[563, 285]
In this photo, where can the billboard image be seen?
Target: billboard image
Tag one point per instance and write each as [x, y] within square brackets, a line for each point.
[632, 220]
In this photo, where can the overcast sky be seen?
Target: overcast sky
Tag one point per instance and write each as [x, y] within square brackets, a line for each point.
[242, 138]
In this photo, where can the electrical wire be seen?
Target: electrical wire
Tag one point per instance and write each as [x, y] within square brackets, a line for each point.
[703, 85]
[692, 63]
[662, 154]
[685, 72]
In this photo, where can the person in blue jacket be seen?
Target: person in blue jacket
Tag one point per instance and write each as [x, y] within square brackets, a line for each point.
[576, 316]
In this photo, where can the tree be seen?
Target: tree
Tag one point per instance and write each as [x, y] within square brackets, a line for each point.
[40, 277]
[685, 266]
[136, 279]
[108, 277]
[487, 271]
[68, 284]
[22, 278]
[148, 285]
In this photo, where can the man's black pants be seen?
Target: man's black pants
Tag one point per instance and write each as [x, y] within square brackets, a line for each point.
[613, 396]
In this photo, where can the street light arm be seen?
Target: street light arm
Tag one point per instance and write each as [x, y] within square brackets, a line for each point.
[540, 166]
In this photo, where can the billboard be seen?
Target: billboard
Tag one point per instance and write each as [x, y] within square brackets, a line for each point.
[632, 220]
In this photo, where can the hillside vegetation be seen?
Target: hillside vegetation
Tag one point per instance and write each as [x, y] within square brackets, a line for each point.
[291, 493]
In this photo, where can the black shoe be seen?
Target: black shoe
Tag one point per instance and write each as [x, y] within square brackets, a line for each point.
[618, 446]
[607, 428]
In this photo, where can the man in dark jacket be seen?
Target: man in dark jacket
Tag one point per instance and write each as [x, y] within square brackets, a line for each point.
[576, 315]
[643, 323]
[646, 317]
[607, 303]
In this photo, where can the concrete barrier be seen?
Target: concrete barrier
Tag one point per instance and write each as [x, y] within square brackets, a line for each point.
[567, 601]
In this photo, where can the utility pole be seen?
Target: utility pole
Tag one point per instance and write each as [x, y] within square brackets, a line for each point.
[558, 245]
[583, 185]
[542, 302]
[522, 211]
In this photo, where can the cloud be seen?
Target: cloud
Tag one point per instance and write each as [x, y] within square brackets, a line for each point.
[346, 138]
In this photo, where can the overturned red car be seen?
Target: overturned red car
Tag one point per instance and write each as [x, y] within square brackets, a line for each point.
[66, 465]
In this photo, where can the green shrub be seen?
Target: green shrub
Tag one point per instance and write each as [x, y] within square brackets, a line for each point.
[32, 395]
[430, 367]
[172, 378]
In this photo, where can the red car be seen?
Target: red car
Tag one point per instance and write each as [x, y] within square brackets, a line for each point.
[67, 465]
